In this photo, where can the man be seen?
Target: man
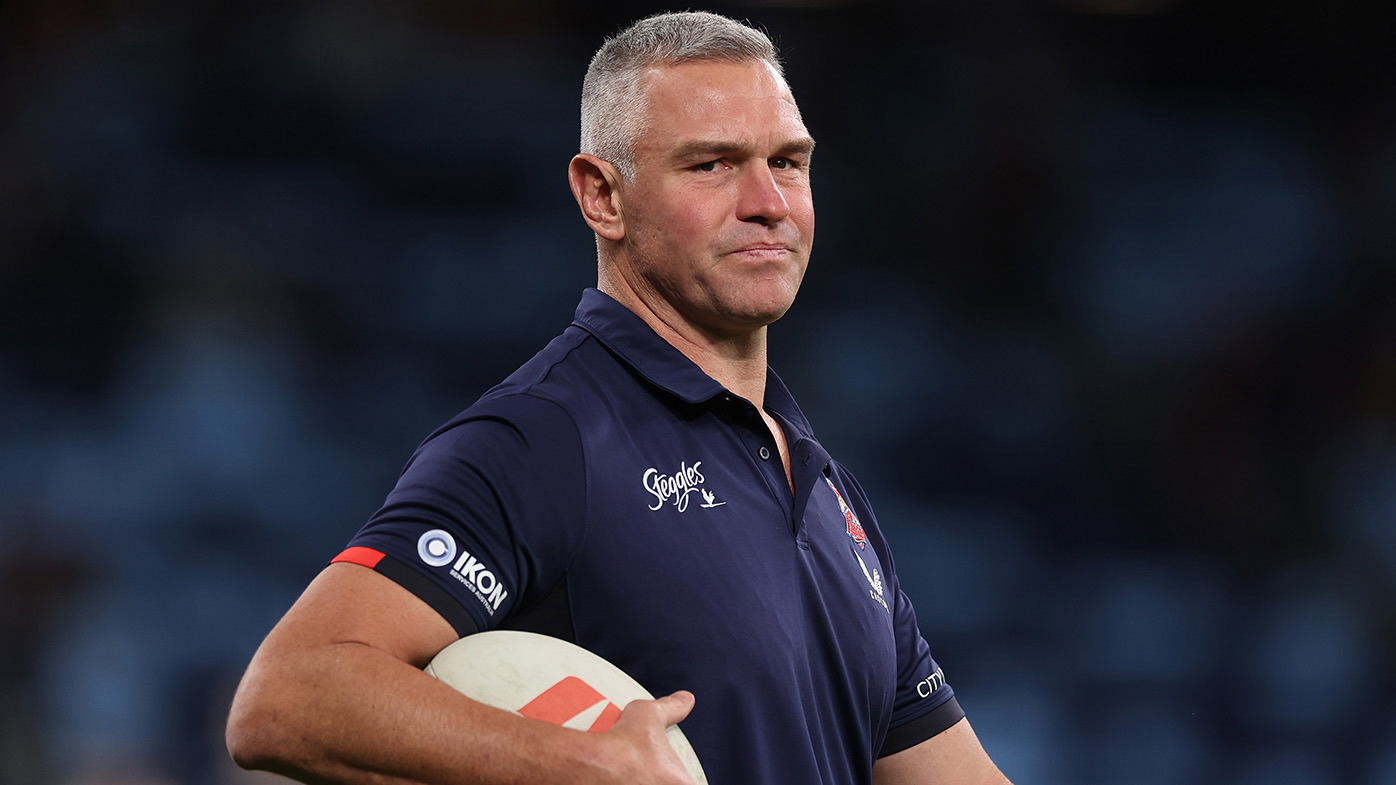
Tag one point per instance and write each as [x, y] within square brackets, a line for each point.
[644, 486]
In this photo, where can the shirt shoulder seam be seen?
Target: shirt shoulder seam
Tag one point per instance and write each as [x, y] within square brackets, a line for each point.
[532, 390]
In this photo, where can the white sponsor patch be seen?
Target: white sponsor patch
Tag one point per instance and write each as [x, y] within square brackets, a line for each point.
[437, 548]
[874, 580]
[931, 683]
[677, 487]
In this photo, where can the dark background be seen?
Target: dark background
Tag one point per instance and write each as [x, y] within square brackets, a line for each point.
[1102, 312]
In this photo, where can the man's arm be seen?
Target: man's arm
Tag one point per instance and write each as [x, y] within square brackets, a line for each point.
[335, 694]
[951, 757]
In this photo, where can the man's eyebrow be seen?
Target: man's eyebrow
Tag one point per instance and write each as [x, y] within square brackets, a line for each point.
[701, 148]
[802, 146]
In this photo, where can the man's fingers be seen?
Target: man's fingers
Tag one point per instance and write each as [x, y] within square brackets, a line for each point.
[641, 730]
[673, 708]
[665, 711]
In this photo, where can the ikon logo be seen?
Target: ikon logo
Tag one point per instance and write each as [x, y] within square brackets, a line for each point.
[568, 703]
[437, 548]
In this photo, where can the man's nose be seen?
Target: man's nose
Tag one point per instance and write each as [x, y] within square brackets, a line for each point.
[760, 198]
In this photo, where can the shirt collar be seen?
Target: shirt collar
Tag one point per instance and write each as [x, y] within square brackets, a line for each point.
[780, 401]
[628, 337]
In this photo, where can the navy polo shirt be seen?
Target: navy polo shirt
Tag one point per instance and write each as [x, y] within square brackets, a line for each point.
[612, 494]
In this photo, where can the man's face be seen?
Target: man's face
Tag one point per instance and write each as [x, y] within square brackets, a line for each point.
[719, 218]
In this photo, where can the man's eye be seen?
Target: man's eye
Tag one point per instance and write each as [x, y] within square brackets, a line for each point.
[782, 163]
[707, 166]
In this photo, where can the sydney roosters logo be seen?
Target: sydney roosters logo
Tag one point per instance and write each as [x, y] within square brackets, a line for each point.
[855, 529]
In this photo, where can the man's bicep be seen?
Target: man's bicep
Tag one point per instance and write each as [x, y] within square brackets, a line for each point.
[351, 604]
[952, 757]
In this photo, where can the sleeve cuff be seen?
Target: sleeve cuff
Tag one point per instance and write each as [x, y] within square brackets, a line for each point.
[910, 734]
[406, 577]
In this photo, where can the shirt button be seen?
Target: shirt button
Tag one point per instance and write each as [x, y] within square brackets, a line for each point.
[765, 454]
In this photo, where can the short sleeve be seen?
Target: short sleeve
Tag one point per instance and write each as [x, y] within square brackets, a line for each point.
[924, 704]
[486, 515]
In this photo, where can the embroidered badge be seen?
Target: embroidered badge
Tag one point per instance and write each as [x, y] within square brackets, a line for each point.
[855, 529]
[874, 581]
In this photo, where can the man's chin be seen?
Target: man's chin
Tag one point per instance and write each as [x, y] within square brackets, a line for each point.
[754, 318]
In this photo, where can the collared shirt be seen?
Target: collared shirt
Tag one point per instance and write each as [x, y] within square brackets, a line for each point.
[612, 494]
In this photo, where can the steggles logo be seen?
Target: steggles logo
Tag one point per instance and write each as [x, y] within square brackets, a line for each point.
[677, 487]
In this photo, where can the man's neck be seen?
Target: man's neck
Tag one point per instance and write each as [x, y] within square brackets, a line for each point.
[737, 361]
[739, 364]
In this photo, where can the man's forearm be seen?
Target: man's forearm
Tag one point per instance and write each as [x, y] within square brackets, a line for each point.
[349, 713]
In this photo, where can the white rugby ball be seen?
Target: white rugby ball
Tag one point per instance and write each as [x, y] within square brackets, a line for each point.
[547, 679]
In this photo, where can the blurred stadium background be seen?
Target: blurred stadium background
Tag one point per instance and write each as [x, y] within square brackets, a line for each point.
[1103, 312]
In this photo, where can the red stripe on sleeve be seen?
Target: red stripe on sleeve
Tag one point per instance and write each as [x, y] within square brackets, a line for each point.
[358, 554]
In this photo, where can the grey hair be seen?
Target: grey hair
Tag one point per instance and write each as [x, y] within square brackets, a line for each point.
[613, 102]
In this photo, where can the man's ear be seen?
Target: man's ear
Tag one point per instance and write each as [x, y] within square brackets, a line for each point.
[596, 187]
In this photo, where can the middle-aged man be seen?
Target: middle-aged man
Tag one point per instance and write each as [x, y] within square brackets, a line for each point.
[646, 487]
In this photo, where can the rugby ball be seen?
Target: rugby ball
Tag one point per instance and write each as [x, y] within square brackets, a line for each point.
[547, 679]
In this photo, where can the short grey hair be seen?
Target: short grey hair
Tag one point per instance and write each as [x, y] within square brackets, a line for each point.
[613, 102]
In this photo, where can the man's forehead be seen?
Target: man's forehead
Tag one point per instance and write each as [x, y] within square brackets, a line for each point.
[698, 80]
[718, 100]
[709, 69]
